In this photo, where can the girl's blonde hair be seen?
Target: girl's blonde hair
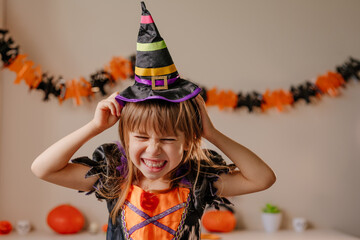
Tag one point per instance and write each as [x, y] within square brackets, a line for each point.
[163, 118]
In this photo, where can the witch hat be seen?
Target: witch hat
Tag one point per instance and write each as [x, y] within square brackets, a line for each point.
[156, 76]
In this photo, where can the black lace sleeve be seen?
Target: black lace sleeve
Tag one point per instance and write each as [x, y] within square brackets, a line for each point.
[105, 163]
[206, 193]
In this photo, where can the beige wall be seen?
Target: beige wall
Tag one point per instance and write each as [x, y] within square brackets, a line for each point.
[240, 45]
[2, 24]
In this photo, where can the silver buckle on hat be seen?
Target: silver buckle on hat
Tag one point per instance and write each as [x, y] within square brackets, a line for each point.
[153, 83]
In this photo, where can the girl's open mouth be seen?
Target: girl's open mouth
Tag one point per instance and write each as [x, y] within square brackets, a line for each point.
[154, 165]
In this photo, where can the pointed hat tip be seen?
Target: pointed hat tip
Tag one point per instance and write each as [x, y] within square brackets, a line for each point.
[143, 7]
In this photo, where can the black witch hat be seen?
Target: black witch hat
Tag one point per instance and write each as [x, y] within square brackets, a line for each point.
[156, 76]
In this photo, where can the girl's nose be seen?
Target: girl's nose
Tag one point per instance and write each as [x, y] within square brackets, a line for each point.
[154, 148]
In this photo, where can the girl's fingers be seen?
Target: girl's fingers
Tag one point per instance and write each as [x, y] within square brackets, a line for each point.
[106, 105]
[207, 125]
[114, 94]
[111, 104]
[116, 105]
[200, 101]
[112, 107]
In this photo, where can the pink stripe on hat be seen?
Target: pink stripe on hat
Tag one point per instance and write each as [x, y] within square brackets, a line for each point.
[146, 19]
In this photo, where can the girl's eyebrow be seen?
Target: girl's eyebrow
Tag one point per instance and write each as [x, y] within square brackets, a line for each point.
[169, 135]
[138, 132]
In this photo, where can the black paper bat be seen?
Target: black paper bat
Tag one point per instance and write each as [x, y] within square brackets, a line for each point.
[99, 80]
[304, 91]
[8, 52]
[48, 86]
[350, 69]
[249, 100]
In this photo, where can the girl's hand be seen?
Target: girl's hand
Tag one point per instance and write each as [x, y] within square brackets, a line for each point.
[107, 113]
[208, 127]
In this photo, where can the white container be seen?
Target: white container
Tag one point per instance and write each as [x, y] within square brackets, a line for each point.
[23, 227]
[93, 228]
[299, 224]
[271, 221]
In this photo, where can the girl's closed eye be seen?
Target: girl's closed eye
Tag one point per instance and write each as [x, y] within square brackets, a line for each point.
[141, 137]
[168, 139]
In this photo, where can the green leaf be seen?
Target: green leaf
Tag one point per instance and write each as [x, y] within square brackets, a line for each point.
[269, 208]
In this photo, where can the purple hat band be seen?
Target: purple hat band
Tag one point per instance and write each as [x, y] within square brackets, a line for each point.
[158, 82]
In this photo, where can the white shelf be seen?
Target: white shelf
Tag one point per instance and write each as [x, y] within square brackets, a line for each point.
[243, 235]
[288, 235]
[50, 236]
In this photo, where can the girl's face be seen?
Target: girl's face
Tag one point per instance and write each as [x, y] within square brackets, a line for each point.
[155, 154]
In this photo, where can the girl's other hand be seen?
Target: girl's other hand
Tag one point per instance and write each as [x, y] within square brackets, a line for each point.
[107, 113]
[208, 127]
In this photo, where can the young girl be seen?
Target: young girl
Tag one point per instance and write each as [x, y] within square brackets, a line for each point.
[158, 181]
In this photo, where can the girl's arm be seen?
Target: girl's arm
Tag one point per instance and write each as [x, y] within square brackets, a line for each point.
[253, 175]
[53, 164]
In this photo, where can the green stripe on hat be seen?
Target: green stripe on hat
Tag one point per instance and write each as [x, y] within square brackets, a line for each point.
[143, 47]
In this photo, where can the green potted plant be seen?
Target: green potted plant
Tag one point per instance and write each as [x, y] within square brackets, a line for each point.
[271, 218]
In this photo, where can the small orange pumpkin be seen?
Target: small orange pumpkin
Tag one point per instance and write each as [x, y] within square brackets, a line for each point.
[65, 219]
[219, 221]
[5, 227]
[105, 228]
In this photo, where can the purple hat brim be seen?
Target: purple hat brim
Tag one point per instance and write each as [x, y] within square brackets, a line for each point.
[179, 91]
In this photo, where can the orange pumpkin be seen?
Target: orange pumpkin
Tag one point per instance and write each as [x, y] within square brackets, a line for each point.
[65, 219]
[5, 227]
[104, 227]
[219, 221]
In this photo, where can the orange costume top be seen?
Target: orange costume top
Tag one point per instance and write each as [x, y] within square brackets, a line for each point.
[174, 214]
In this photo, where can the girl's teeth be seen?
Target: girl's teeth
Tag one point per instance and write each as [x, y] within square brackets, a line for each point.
[156, 164]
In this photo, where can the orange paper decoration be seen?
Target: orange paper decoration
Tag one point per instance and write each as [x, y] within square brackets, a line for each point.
[227, 99]
[17, 64]
[277, 99]
[24, 71]
[119, 68]
[222, 99]
[329, 83]
[76, 90]
[211, 97]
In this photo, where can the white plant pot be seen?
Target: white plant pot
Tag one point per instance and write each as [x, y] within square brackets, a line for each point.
[271, 221]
